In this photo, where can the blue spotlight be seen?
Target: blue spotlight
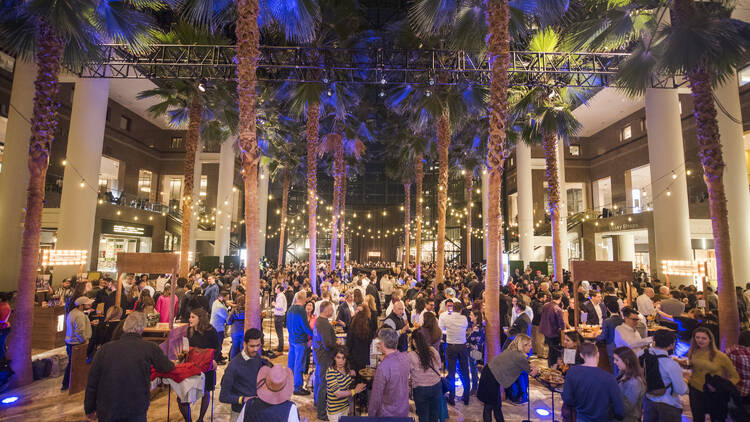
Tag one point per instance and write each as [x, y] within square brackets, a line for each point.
[9, 400]
[542, 412]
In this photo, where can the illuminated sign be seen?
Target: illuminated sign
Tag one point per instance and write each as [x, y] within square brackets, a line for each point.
[687, 268]
[119, 228]
[51, 257]
[126, 229]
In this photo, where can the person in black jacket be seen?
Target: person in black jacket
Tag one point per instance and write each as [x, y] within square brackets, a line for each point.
[202, 335]
[118, 387]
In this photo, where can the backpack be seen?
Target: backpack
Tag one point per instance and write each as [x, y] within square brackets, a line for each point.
[654, 382]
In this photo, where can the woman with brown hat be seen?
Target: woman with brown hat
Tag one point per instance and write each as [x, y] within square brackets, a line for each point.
[273, 404]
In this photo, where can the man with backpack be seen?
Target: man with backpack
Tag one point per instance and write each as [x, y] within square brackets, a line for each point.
[664, 381]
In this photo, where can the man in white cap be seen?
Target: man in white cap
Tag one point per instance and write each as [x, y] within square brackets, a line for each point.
[275, 386]
[78, 332]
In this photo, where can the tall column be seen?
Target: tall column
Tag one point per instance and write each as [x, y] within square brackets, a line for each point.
[84, 155]
[14, 177]
[626, 247]
[485, 208]
[262, 207]
[563, 203]
[224, 200]
[525, 202]
[666, 154]
[735, 176]
[196, 195]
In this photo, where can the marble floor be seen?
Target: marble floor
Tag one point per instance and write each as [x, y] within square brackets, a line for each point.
[43, 401]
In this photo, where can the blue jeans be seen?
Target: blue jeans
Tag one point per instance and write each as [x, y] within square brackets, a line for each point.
[66, 376]
[294, 362]
[319, 389]
[453, 353]
[3, 337]
[236, 344]
[428, 403]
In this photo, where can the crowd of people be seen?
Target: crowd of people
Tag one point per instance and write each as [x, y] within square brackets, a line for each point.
[372, 338]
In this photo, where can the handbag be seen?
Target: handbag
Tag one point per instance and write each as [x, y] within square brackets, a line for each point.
[443, 382]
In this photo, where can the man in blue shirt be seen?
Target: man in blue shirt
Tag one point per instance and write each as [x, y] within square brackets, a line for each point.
[592, 391]
[300, 333]
[239, 383]
[211, 291]
[219, 315]
[666, 407]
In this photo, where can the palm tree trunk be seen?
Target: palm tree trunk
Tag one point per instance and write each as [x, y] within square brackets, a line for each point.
[191, 146]
[419, 176]
[553, 192]
[468, 186]
[338, 175]
[342, 234]
[407, 217]
[498, 46]
[248, 52]
[282, 228]
[444, 142]
[43, 125]
[313, 123]
[712, 160]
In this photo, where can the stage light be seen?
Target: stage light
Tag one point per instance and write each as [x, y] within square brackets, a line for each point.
[201, 87]
[9, 400]
[325, 80]
[382, 94]
[541, 408]
[383, 81]
[329, 92]
[427, 93]
[431, 81]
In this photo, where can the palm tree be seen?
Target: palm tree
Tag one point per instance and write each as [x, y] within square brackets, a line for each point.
[188, 103]
[185, 102]
[344, 140]
[706, 46]
[55, 34]
[297, 20]
[470, 23]
[286, 153]
[304, 100]
[468, 154]
[546, 113]
[399, 167]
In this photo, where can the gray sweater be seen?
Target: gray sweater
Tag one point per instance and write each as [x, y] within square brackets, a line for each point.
[324, 342]
[632, 391]
[508, 366]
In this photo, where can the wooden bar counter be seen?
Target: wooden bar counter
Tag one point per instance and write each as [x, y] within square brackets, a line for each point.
[49, 327]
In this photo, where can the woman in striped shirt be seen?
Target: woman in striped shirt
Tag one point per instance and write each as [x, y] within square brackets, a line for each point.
[339, 385]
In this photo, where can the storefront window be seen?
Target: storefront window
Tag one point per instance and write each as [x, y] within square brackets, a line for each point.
[204, 185]
[109, 171]
[144, 183]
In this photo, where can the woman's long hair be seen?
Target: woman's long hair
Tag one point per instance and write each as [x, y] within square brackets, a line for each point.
[113, 313]
[711, 345]
[341, 349]
[422, 349]
[204, 321]
[519, 342]
[430, 323]
[361, 325]
[370, 302]
[632, 366]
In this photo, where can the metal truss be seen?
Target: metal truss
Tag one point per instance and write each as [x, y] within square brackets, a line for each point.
[363, 66]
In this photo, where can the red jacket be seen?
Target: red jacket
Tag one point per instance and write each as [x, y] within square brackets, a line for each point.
[197, 361]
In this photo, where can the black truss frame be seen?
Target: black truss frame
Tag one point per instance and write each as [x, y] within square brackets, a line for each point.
[363, 66]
